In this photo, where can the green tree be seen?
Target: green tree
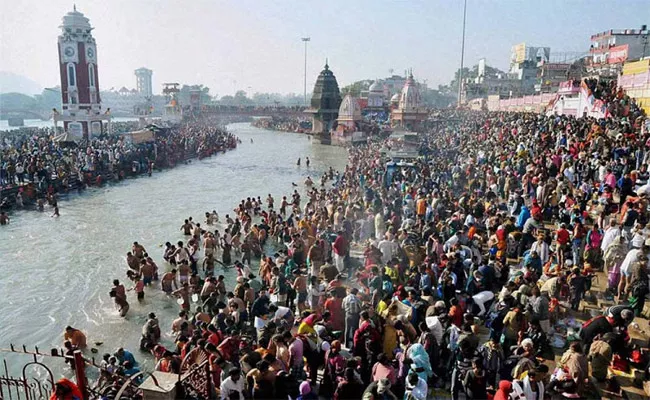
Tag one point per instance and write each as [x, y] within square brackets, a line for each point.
[355, 88]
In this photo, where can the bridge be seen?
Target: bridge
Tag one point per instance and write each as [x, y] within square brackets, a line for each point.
[254, 111]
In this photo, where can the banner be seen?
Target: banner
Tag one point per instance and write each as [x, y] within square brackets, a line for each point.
[519, 52]
[617, 54]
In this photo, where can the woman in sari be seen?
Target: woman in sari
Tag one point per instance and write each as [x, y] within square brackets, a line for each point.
[592, 247]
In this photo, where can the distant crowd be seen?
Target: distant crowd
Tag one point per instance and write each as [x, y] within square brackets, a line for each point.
[41, 165]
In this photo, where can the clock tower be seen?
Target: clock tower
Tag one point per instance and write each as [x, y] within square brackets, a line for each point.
[81, 110]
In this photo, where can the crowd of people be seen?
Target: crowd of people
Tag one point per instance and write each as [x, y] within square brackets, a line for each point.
[36, 166]
[284, 124]
[466, 271]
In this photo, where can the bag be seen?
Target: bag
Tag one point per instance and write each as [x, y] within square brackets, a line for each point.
[387, 287]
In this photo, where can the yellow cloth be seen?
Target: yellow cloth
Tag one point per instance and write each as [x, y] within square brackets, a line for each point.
[381, 307]
[305, 329]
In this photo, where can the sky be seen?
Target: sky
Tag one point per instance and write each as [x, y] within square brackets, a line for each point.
[255, 45]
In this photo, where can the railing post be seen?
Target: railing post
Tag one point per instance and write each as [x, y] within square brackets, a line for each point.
[80, 373]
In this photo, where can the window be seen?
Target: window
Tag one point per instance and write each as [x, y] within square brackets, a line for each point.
[73, 98]
[72, 75]
[91, 75]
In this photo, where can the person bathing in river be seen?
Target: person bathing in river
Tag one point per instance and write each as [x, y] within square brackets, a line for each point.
[76, 337]
[186, 228]
[4, 218]
[118, 293]
[168, 282]
[184, 293]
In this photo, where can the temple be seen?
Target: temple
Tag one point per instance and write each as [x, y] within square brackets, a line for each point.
[325, 102]
[409, 114]
[348, 121]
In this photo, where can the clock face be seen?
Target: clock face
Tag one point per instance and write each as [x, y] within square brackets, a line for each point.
[90, 52]
[69, 51]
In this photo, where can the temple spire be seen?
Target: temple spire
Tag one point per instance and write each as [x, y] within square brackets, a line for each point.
[326, 64]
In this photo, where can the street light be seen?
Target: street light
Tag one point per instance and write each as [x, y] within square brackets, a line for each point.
[462, 54]
[305, 39]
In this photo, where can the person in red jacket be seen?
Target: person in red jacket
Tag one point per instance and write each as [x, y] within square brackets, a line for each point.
[340, 249]
[563, 236]
[65, 389]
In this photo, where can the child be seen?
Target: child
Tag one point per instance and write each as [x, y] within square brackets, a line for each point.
[138, 287]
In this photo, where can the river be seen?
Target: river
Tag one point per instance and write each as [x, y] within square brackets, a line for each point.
[58, 271]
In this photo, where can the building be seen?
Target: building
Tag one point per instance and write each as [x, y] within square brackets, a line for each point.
[143, 81]
[524, 61]
[409, 113]
[611, 49]
[635, 80]
[81, 109]
[348, 127]
[394, 84]
[325, 102]
[376, 97]
[349, 114]
[550, 76]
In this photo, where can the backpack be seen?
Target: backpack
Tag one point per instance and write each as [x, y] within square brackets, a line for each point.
[387, 287]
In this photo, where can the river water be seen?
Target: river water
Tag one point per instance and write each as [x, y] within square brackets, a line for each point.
[58, 271]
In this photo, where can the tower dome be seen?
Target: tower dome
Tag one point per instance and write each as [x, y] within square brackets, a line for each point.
[410, 97]
[75, 22]
[395, 98]
[350, 109]
[376, 87]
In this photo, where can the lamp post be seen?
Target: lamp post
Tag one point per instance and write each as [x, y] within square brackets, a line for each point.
[305, 39]
[462, 54]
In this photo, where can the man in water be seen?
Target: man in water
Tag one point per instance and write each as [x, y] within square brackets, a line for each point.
[138, 250]
[147, 271]
[75, 336]
[119, 296]
[184, 271]
[187, 228]
[184, 293]
[4, 218]
[132, 261]
[168, 282]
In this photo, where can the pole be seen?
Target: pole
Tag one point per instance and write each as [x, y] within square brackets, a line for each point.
[462, 54]
[80, 373]
[305, 39]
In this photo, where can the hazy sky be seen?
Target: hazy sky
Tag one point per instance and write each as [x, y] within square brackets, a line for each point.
[255, 45]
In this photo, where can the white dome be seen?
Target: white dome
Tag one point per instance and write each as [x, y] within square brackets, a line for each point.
[75, 20]
[376, 87]
[395, 98]
[410, 97]
[350, 109]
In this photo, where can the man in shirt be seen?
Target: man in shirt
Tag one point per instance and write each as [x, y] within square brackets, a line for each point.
[232, 388]
[296, 352]
[562, 236]
[352, 308]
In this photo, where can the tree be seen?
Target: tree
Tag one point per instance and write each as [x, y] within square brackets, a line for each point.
[354, 89]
